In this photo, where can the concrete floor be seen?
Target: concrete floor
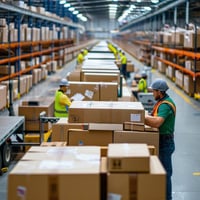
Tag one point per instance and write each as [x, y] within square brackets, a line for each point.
[186, 159]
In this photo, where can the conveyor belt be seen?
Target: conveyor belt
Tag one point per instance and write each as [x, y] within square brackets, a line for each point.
[9, 125]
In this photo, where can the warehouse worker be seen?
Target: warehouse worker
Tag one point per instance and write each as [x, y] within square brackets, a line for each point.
[80, 58]
[62, 102]
[123, 60]
[85, 52]
[142, 85]
[163, 118]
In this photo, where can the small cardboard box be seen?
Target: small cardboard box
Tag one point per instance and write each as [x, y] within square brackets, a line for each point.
[128, 158]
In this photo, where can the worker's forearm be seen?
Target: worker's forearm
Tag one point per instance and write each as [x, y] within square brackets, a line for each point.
[153, 121]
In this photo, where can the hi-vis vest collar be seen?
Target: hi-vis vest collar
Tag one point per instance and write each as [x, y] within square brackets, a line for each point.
[155, 109]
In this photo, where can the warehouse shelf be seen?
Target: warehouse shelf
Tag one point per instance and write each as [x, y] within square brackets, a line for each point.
[177, 52]
[32, 43]
[49, 39]
[184, 70]
[38, 16]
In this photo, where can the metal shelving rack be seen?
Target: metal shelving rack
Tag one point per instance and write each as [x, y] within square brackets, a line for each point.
[16, 15]
[155, 21]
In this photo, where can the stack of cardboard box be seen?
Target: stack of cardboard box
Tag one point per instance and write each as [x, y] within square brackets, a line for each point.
[59, 172]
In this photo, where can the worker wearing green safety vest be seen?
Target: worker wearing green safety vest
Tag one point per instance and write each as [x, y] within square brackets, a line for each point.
[163, 117]
[62, 101]
[142, 85]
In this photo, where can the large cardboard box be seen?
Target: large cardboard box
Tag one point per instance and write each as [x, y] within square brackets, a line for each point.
[58, 178]
[150, 138]
[140, 186]
[128, 158]
[60, 129]
[106, 112]
[84, 91]
[89, 137]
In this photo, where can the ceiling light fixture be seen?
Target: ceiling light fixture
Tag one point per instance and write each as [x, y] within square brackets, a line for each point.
[71, 9]
[67, 5]
[62, 1]
[75, 12]
[155, 1]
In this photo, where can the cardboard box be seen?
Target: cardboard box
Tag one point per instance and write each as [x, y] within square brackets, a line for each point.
[32, 107]
[129, 126]
[105, 127]
[53, 144]
[89, 137]
[149, 138]
[83, 71]
[34, 126]
[60, 129]
[140, 186]
[128, 158]
[106, 112]
[108, 91]
[58, 179]
[3, 96]
[189, 39]
[79, 91]
[101, 77]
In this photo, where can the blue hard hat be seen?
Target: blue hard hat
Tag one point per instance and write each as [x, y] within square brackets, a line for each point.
[64, 82]
[159, 84]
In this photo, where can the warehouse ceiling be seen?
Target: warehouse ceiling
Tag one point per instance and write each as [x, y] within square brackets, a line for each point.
[122, 10]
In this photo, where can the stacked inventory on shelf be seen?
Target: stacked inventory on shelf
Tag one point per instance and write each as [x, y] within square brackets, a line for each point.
[34, 43]
[173, 53]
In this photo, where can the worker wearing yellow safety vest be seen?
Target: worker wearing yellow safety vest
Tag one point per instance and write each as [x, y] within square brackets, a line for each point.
[80, 57]
[163, 118]
[142, 85]
[62, 101]
[123, 65]
[85, 52]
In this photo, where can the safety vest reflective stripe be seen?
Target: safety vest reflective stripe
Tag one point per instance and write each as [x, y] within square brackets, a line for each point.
[155, 109]
[60, 111]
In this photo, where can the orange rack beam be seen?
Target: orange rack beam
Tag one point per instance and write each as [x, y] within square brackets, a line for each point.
[184, 70]
[177, 52]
